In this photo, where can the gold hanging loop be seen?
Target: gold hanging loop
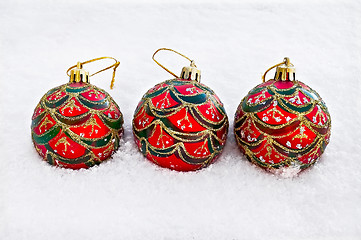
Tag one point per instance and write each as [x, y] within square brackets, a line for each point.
[114, 66]
[168, 49]
[285, 61]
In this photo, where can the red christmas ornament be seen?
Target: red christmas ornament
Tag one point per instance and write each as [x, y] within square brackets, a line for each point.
[282, 125]
[180, 123]
[77, 125]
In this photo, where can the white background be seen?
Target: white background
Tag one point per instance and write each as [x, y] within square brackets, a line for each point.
[128, 197]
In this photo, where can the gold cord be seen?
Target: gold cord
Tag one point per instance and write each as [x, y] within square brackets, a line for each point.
[168, 49]
[285, 61]
[115, 65]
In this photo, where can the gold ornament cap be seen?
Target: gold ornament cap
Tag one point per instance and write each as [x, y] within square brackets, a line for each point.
[286, 71]
[191, 73]
[78, 74]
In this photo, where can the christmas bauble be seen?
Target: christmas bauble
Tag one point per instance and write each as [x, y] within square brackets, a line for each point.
[181, 124]
[282, 125]
[76, 125]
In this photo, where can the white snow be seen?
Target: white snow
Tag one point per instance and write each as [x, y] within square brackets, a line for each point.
[232, 43]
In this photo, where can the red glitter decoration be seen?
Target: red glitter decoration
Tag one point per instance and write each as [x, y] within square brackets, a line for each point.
[180, 124]
[282, 124]
[76, 125]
